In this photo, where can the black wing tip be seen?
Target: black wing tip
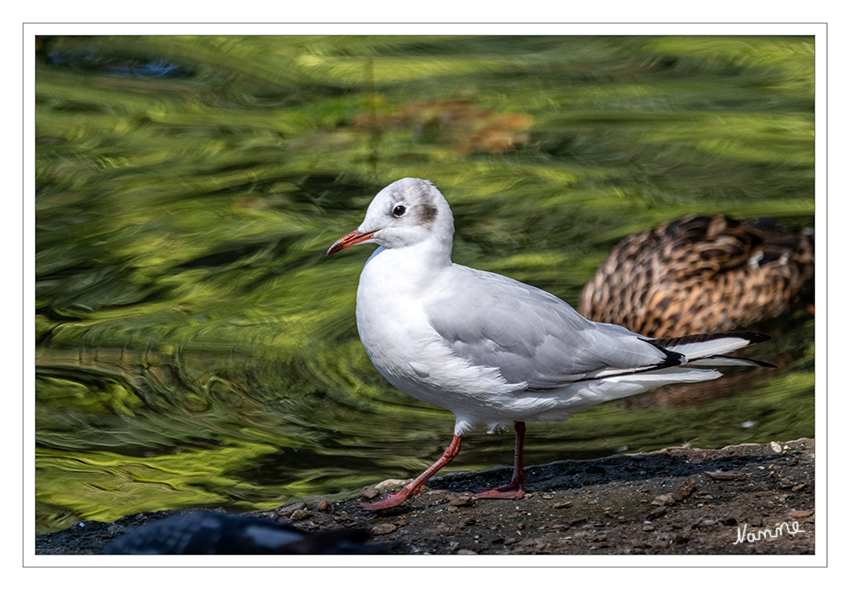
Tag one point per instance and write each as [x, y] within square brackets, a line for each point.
[671, 358]
[763, 364]
[755, 337]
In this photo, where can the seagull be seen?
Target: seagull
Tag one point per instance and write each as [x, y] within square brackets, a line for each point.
[490, 349]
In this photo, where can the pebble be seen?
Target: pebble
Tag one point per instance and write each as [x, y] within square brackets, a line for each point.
[685, 489]
[462, 501]
[370, 493]
[290, 508]
[801, 513]
[300, 515]
[657, 512]
[383, 529]
[392, 484]
[663, 500]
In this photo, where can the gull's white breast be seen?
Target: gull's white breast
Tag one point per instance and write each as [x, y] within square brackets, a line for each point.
[410, 354]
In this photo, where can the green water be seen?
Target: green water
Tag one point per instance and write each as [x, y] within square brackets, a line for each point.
[196, 348]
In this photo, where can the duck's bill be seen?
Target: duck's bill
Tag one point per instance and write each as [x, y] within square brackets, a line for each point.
[349, 240]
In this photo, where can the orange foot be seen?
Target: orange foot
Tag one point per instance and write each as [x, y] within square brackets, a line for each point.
[390, 501]
[504, 493]
[515, 489]
[512, 491]
[412, 489]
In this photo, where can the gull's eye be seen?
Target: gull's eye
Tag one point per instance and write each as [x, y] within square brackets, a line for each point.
[399, 210]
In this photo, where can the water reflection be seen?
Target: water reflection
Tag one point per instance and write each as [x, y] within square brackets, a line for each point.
[195, 350]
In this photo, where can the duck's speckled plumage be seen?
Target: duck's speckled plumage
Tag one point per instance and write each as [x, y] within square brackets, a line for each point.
[700, 274]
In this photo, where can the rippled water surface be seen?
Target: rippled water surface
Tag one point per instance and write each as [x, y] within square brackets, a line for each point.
[196, 348]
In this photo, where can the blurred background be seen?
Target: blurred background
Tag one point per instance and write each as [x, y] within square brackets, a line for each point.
[196, 348]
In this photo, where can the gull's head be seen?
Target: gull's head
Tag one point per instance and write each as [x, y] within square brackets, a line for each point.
[407, 212]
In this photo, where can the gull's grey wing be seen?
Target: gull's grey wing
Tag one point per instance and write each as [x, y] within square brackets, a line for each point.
[531, 336]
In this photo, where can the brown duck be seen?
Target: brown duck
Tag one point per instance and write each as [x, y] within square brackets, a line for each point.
[700, 274]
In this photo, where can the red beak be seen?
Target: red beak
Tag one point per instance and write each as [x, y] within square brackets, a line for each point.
[349, 240]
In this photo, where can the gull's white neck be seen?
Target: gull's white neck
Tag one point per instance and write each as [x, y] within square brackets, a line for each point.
[410, 268]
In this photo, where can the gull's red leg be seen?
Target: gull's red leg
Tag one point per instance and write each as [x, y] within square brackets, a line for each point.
[514, 490]
[412, 489]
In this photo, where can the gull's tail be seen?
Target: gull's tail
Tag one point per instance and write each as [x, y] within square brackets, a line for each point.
[710, 349]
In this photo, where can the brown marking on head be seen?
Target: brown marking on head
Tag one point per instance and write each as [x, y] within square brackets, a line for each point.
[426, 213]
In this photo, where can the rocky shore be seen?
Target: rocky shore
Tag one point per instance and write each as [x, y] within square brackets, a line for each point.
[741, 499]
